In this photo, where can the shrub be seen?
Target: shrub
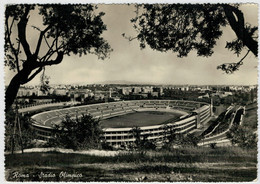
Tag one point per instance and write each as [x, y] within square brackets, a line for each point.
[213, 145]
[242, 137]
[79, 133]
[141, 141]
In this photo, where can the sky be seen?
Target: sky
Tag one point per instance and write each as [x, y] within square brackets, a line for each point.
[128, 62]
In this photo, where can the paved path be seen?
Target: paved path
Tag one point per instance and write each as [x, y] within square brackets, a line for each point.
[60, 150]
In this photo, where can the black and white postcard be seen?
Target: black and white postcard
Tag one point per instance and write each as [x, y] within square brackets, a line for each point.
[130, 91]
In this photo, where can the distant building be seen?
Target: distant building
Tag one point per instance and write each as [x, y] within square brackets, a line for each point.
[157, 91]
[60, 92]
[204, 96]
[110, 92]
[27, 92]
[99, 96]
[116, 98]
[147, 89]
[127, 90]
[137, 90]
[222, 94]
[156, 94]
[145, 95]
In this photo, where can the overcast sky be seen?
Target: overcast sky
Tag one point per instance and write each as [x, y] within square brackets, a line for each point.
[127, 62]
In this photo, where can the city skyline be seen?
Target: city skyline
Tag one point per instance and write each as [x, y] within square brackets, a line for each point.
[129, 83]
[129, 63]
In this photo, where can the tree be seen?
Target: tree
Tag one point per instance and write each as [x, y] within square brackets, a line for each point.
[27, 134]
[181, 28]
[242, 136]
[65, 30]
[78, 133]
[136, 132]
[142, 143]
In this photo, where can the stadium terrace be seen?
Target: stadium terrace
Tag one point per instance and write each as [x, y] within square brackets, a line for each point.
[191, 115]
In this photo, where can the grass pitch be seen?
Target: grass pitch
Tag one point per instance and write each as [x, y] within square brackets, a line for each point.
[146, 118]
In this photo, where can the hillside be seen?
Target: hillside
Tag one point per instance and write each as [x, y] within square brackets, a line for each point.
[250, 117]
[229, 164]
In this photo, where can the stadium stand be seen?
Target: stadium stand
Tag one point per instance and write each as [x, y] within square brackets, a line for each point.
[198, 112]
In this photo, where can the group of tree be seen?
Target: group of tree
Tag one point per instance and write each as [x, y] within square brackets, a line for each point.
[141, 142]
[174, 139]
[77, 29]
[179, 94]
[171, 139]
[242, 137]
[242, 98]
[78, 133]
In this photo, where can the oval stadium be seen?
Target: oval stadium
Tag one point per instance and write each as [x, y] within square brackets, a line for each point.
[117, 119]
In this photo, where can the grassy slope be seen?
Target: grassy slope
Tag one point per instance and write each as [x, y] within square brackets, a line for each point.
[250, 118]
[187, 164]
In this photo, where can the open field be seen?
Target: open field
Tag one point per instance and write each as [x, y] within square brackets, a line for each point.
[145, 118]
[183, 164]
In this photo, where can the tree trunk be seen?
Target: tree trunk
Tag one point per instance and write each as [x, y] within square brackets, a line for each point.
[238, 25]
[13, 87]
[11, 92]
[22, 77]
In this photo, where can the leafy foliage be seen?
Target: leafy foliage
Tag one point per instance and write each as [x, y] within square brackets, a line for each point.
[77, 27]
[236, 46]
[230, 68]
[64, 30]
[80, 133]
[242, 137]
[181, 28]
[67, 28]
[141, 141]
[136, 132]
[175, 139]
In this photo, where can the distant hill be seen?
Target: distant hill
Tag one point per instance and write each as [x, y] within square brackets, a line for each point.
[123, 82]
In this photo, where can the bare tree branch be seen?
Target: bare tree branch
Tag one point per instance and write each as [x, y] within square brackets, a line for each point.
[52, 62]
[9, 32]
[46, 56]
[11, 26]
[17, 61]
[36, 28]
[22, 32]
[32, 76]
[129, 38]
[40, 40]
[229, 68]
[54, 51]
[239, 27]
[46, 41]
